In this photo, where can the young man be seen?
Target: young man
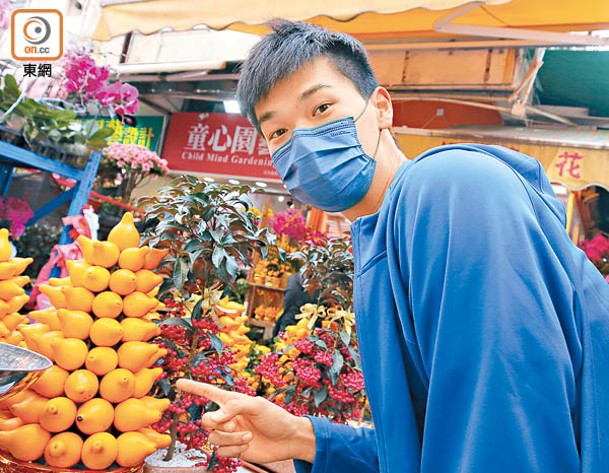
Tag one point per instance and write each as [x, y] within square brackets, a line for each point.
[484, 332]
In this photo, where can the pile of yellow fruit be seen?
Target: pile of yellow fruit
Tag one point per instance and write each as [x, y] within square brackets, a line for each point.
[268, 313]
[92, 406]
[12, 294]
[233, 331]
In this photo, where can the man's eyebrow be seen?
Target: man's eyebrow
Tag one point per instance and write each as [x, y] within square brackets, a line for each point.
[305, 95]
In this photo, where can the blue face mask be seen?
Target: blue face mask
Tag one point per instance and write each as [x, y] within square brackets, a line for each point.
[326, 166]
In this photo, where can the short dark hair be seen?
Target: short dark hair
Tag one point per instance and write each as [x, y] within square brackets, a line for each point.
[290, 46]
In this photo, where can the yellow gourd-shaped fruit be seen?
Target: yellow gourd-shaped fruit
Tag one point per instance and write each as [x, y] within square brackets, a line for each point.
[3, 308]
[70, 353]
[136, 355]
[139, 330]
[106, 253]
[29, 409]
[50, 384]
[133, 258]
[11, 321]
[63, 450]
[5, 246]
[47, 316]
[144, 379]
[147, 280]
[117, 385]
[44, 343]
[21, 280]
[5, 404]
[4, 331]
[10, 423]
[58, 414]
[25, 443]
[7, 270]
[86, 247]
[9, 288]
[107, 305]
[133, 448]
[16, 303]
[94, 416]
[96, 279]
[155, 292]
[56, 282]
[15, 338]
[161, 440]
[155, 403]
[133, 414]
[81, 386]
[78, 298]
[75, 323]
[19, 264]
[101, 360]
[99, 451]
[125, 235]
[55, 295]
[137, 304]
[76, 270]
[106, 332]
[154, 258]
[123, 282]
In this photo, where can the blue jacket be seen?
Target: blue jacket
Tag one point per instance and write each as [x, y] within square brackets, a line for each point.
[483, 331]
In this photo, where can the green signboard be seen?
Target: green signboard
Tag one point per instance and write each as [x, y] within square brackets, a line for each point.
[146, 133]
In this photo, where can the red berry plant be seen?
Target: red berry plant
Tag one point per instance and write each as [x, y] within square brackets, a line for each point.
[211, 234]
[315, 367]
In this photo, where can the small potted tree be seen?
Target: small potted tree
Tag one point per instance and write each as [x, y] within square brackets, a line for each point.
[211, 233]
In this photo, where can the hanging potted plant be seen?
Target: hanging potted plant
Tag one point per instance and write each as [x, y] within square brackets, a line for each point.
[210, 232]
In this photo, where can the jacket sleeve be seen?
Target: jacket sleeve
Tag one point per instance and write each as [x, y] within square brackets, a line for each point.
[492, 313]
[341, 449]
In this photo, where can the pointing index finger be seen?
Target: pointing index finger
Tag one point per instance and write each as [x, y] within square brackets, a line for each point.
[208, 391]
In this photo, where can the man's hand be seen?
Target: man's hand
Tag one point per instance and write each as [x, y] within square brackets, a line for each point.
[253, 428]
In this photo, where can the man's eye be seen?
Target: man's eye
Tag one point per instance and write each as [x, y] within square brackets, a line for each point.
[277, 133]
[322, 108]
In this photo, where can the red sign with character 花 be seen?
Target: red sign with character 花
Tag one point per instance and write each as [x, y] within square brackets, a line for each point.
[217, 143]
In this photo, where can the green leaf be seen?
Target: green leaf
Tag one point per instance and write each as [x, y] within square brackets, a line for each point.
[216, 343]
[197, 312]
[165, 386]
[337, 361]
[180, 274]
[320, 396]
[345, 337]
[217, 256]
[183, 321]
[10, 84]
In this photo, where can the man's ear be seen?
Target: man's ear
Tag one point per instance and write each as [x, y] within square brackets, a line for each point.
[384, 109]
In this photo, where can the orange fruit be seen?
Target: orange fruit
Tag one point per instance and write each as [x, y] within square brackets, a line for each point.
[99, 451]
[156, 403]
[140, 330]
[137, 304]
[46, 316]
[154, 258]
[29, 409]
[147, 280]
[144, 379]
[106, 332]
[16, 303]
[107, 304]
[11, 321]
[105, 253]
[55, 295]
[133, 448]
[61, 281]
[21, 280]
[161, 440]
[101, 360]
[5, 246]
[26, 443]
[58, 414]
[133, 414]
[69, 353]
[96, 279]
[81, 385]
[44, 342]
[78, 298]
[19, 264]
[10, 423]
[63, 450]
[133, 258]
[94, 416]
[75, 323]
[50, 384]
[124, 234]
[9, 288]
[76, 270]
[117, 385]
[123, 281]
[86, 247]
[137, 355]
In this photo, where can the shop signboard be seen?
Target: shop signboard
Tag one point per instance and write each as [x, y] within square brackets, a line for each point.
[146, 132]
[217, 143]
